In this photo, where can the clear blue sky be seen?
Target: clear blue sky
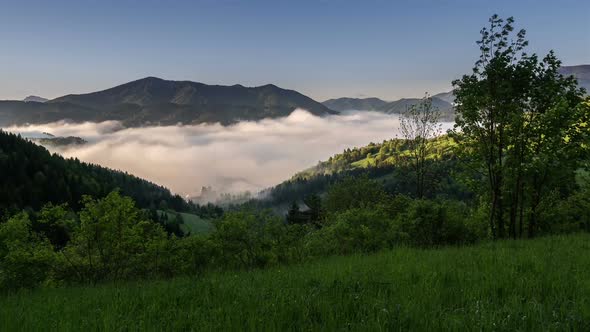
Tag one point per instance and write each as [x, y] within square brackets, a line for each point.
[323, 48]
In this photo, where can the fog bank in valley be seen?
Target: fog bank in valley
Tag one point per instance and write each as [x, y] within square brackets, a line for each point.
[245, 156]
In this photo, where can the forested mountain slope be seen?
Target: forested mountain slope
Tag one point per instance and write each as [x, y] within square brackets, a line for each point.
[385, 162]
[31, 176]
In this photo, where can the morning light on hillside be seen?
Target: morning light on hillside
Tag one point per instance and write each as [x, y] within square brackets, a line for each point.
[295, 165]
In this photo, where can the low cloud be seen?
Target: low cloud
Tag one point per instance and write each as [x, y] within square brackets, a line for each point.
[245, 156]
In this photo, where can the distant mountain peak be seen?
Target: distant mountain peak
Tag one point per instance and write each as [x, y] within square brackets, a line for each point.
[35, 99]
[355, 104]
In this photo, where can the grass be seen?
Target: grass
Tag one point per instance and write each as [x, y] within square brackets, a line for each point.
[192, 223]
[534, 285]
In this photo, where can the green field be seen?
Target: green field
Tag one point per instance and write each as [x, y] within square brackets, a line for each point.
[541, 284]
[192, 223]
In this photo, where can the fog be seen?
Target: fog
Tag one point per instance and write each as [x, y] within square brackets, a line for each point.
[245, 156]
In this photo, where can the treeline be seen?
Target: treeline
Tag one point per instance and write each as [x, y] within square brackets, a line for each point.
[110, 239]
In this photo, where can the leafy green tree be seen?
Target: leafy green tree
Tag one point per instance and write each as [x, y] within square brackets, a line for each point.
[354, 192]
[316, 211]
[419, 125]
[55, 222]
[26, 258]
[294, 214]
[247, 239]
[513, 115]
[113, 242]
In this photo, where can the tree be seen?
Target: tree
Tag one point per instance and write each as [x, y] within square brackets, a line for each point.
[113, 240]
[513, 114]
[25, 257]
[293, 216]
[418, 125]
[354, 192]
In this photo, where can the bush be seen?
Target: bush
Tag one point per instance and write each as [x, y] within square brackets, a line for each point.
[432, 223]
[354, 192]
[248, 239]
[26, 259]
[356, 230]
[112, 242]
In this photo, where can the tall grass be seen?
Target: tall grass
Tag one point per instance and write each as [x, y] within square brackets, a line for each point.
[534, 285]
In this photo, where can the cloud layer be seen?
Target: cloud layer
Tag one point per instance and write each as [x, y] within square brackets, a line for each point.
[245, 156]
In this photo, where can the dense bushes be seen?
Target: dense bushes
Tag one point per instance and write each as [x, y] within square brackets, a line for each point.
[25, 257]
[111, 239]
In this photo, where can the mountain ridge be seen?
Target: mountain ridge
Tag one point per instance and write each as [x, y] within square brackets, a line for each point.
[392, 107]
[155, 101]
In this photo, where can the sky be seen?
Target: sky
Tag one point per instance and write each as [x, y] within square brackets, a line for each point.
[322, 48]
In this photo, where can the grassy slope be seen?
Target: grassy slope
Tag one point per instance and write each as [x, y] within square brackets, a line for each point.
[542, 284]
[193, 223]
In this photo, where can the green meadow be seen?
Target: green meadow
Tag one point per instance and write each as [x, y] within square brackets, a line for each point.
[523, 285]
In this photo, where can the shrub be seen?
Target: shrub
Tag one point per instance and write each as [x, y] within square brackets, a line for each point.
[431, 223]
[356, 230]
[248, 239]
[112, 242]
[25, 258]
[354, 192]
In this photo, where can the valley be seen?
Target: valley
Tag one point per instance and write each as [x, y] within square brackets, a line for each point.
[311, 184]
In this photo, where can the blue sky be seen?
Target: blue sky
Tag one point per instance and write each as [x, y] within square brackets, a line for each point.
[322, 48]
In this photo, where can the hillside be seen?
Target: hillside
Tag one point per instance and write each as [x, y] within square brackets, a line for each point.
[394, 107]
[352, 104]
[385, 162]
[31, 176]
[525, 285]
[446, 96]
[400, 106]
[154, 101]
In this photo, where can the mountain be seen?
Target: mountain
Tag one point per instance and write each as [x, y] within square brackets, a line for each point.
[31, 176]
[355, 104]
[449, 97]
[14, 112]
[446, 110]
[580, 72]
[154, 101]
[400, 106]
[441, 101]
[35, 99]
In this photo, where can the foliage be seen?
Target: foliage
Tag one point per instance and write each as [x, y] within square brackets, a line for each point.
[113, 242]
[25, 257]
[419, 125]
[350, 193]
[515, 114]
